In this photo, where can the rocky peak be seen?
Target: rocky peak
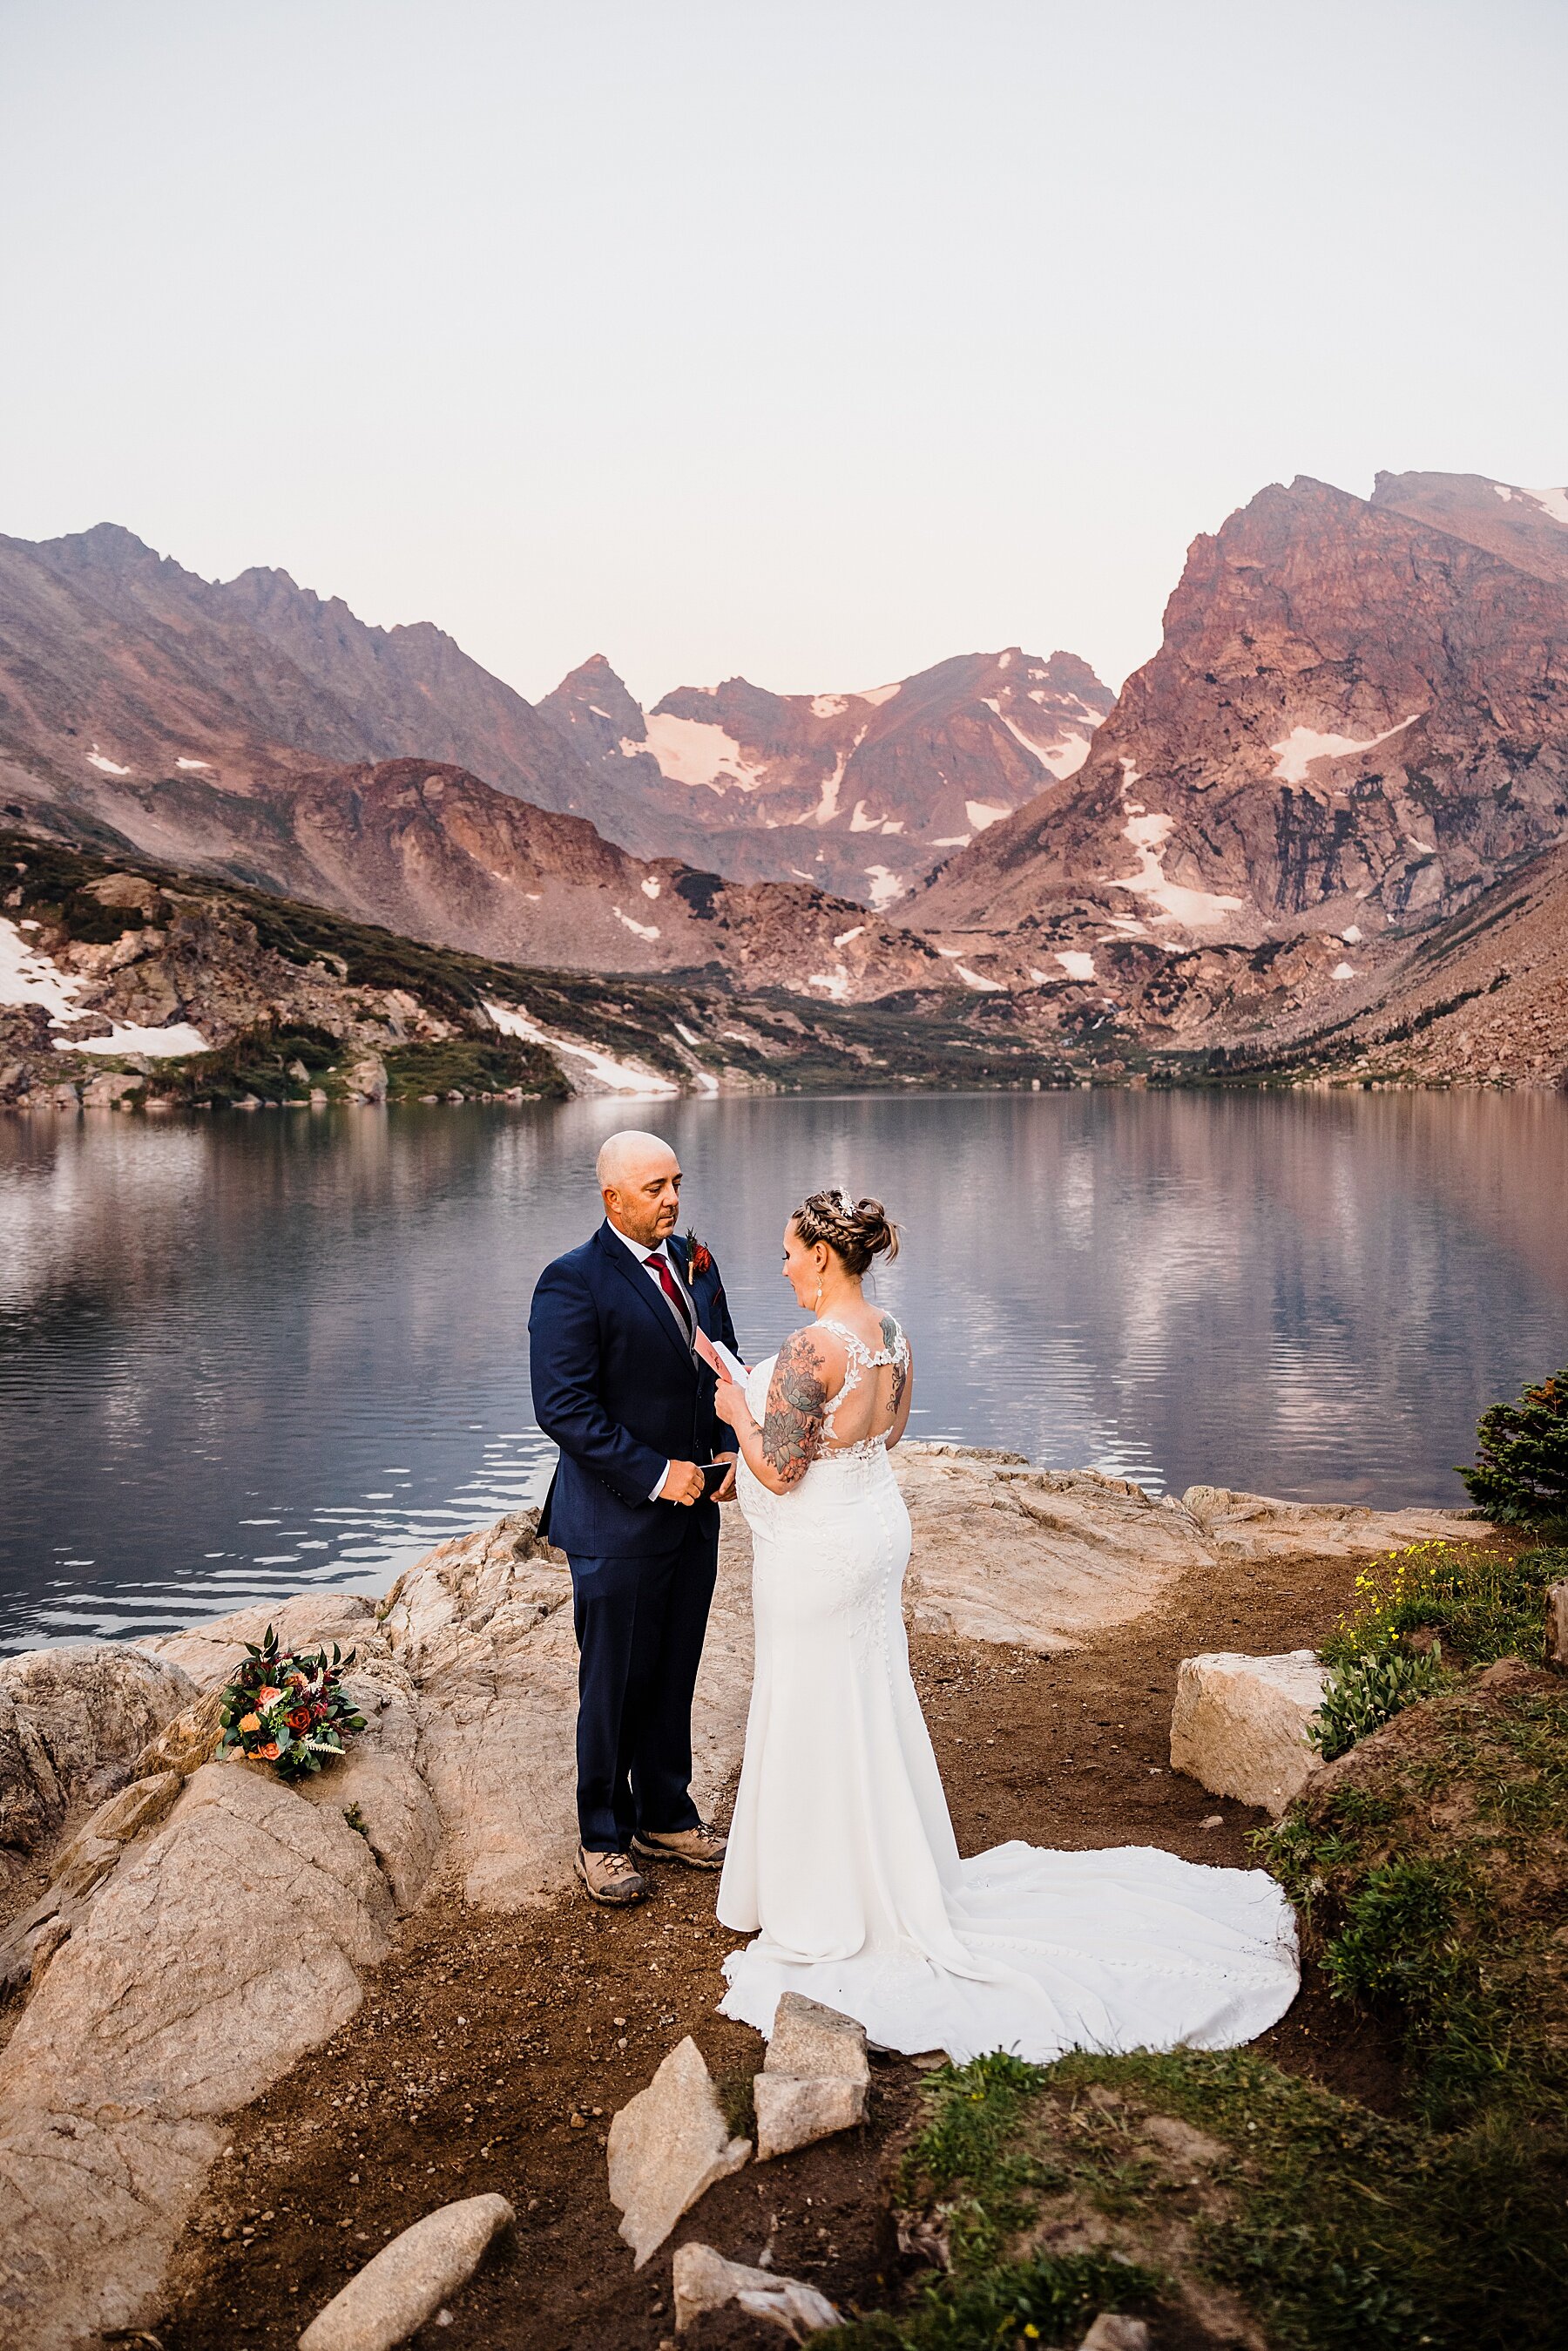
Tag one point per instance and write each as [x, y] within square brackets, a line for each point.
[592, 710]
[1356, 718]
[1527, 527]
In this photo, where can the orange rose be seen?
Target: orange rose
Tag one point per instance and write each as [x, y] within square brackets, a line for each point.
[269, 1752]
[268, 1697]
[250, 1722]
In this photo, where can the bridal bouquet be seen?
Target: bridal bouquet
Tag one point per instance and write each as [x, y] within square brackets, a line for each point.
[287, 1708]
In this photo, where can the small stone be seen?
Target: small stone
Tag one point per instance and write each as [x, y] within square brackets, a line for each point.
[401, 2286]
[1214, 1821]
[666, 2148]
[1240, 1724]
[705, 2280]
[1557, 1625]
[1111, 2332]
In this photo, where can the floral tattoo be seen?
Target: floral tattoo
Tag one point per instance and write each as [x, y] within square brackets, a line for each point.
[900, 1368]
[796, 1407]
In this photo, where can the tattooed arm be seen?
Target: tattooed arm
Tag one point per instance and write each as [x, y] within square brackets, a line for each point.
[903, 1381]
[809, 1369]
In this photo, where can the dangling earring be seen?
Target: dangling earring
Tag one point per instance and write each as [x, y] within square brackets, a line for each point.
[816, 1301]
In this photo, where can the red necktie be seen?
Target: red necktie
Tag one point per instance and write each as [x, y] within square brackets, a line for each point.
[660, 1265]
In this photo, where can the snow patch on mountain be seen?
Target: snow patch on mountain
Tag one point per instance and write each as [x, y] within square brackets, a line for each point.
[642, 930]
[27, 976]
[1149, 833]
[1064, 754]
[600, 1072]
[1551, 501]
[697, 751]
[158, 1044]
[1294, 752]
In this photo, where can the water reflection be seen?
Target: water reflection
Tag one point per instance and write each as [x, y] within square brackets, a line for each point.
[237, 1354]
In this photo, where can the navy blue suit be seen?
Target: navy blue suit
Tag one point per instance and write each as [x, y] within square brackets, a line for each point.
[617, 1386]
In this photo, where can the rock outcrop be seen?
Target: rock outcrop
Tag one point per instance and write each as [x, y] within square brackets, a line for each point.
[206, 1925]
[1240, 1725]
[73, 1721]
[1037, 1558]
[212, 1956]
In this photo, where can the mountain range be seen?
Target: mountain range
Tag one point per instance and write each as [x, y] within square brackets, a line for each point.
[1355, 728]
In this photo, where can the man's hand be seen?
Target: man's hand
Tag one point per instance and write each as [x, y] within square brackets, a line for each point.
[726, 1492]
[682, 1484]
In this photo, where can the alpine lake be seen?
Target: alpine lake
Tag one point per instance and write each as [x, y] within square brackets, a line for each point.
[242, 1353]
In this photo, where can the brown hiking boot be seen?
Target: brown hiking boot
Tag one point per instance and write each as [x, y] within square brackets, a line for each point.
[699, 1848]
[611, 1878]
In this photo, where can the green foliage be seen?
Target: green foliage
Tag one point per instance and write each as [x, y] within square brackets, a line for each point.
[255, 1063]
[1051, 2299]
[1432, 1880]
[1481, 1604]
[1521, 1472]
[1341, 2230]
[1367, 1692]
[471, 1065]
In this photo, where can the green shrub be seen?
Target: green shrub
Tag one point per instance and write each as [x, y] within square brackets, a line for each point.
[1367, 1692]
[471, 1065]
[256, 1062]
[1521, 1472]
[1483, 1603]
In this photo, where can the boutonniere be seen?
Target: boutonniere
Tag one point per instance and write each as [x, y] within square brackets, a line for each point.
[699, 1256]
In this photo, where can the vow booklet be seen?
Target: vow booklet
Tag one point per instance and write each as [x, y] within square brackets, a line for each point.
[731, 1361]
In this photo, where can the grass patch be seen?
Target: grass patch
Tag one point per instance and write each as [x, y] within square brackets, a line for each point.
[1429, 1866]
[1336, 2229]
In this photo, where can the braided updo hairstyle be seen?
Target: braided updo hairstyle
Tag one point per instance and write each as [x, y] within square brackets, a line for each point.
[855, 1230]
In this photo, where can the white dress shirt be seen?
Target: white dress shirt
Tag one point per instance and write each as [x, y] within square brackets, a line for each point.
[650, 1260]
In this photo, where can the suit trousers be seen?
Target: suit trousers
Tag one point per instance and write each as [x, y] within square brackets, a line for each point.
[640, 1624]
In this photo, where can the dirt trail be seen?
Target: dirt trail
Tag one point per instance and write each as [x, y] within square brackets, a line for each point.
[482, 2037]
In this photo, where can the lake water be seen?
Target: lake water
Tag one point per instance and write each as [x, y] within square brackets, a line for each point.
[238, 1354]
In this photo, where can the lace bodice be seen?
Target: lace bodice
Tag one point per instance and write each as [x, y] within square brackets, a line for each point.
[862, 1359]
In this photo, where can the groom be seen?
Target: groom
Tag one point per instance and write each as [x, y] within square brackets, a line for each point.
[619, 1384]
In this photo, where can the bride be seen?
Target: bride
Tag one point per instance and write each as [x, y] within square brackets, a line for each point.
[842, 1859]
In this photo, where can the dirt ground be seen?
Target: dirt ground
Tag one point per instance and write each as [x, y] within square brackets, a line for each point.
[489, 2052]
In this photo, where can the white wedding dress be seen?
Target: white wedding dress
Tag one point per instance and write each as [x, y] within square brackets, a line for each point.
[842, 1854]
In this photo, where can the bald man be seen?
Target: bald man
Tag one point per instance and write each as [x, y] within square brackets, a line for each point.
[619, 1385]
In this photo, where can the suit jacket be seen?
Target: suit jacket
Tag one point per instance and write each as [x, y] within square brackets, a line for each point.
[618, 1388]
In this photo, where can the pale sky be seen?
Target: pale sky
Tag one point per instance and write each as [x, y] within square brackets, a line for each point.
[811, 342]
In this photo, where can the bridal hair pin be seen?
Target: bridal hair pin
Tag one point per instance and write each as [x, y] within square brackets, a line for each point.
[855, 1230]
